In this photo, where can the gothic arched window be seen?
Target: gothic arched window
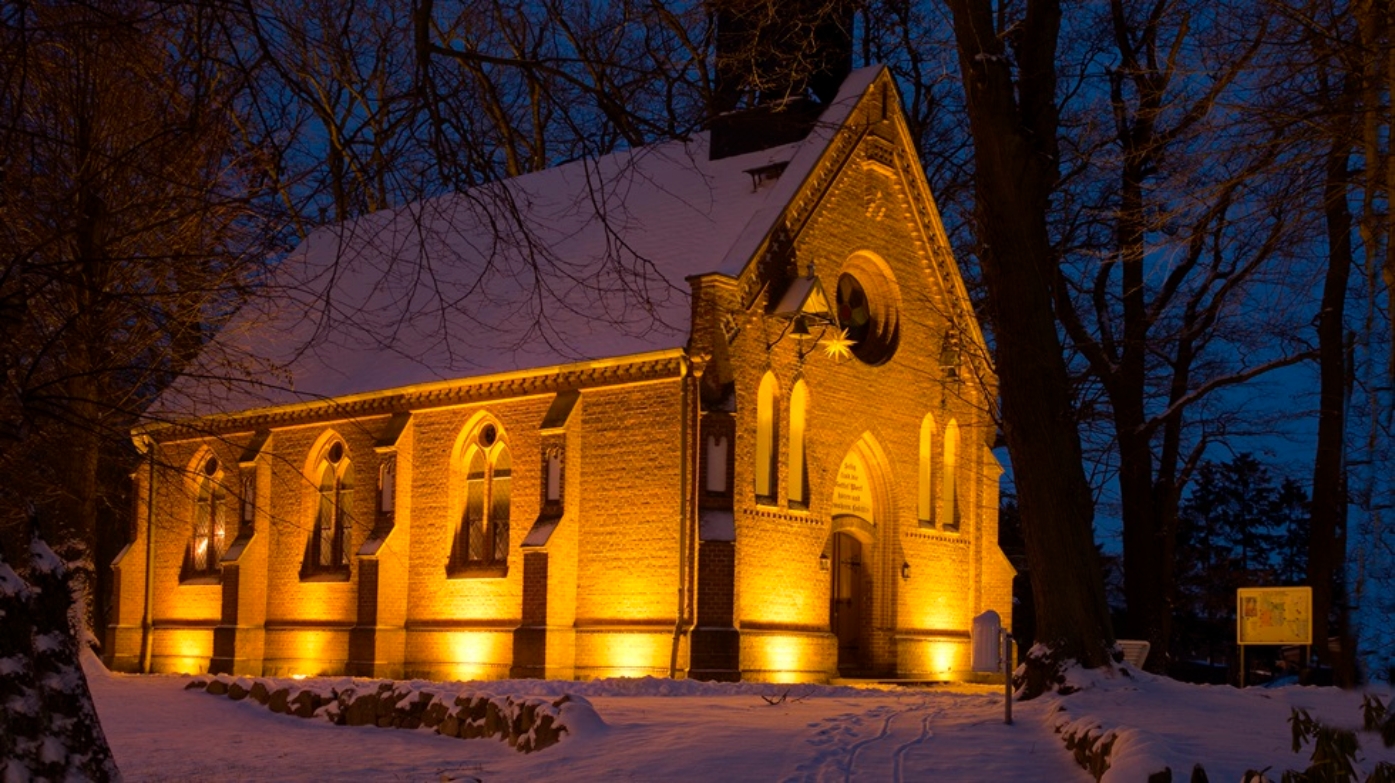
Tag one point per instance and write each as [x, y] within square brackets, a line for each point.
[767, 436]
[481, 545]
[209, 538]
[949, 481]
[327, 551]
[925, 497]
[798, 479]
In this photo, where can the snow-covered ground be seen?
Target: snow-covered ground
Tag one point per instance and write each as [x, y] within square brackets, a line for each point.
[662, 730]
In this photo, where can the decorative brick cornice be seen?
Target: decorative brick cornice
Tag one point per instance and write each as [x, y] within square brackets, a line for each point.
[940, 536]
[782, 515]
[648, 367]
[773, 254]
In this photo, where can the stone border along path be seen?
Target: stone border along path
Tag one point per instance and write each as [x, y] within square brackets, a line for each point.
[1096, 749]
[527, 723]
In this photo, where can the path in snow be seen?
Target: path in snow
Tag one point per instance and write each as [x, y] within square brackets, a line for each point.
[160, 732]
[931, 735]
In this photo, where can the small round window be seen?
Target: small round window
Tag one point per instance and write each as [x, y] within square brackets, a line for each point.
[488, 434]
[211, 466]
[336, 453]
[867, 313]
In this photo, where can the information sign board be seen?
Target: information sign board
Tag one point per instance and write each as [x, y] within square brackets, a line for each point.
[1274, 615]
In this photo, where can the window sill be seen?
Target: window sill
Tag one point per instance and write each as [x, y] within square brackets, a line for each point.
[477, 570]
[340, 574]
[201, 579]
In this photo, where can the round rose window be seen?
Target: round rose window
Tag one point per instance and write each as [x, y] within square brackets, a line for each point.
[867, 314]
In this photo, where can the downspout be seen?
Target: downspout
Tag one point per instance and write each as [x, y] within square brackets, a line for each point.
[683, 469]
[147, 614]
[694, 510]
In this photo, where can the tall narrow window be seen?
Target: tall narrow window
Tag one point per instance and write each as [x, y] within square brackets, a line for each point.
[247, 516]
[501, 480]
[327, 517]
[552, 465]
[472, 524]
[327, 552]
[949, 481]
[481, 546]
[925, 497]
[387, 488]
[716, 482]
[210, 526]
[798, 478]
[767, 435]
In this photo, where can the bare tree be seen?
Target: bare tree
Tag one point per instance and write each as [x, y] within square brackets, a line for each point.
[125, 234]
[1010, 96]
[1196, 219]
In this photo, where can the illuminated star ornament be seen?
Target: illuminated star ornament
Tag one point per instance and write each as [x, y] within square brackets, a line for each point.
[840, 347]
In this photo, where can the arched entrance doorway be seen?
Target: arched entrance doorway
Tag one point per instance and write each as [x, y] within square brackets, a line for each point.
[853, 555]
[848, 603]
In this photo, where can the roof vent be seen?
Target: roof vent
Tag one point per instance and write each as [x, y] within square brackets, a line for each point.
[767, 173]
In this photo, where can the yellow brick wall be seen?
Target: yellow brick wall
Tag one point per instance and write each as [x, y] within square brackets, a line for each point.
[184, 615]
[437, 498]
[394, 560]
[562, 552]
[880, 407]
[630, 511]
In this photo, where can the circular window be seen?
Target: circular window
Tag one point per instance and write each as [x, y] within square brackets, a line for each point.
[867, 312]
[211, 466]
[488, 434]
[336, 453]
[853, 313]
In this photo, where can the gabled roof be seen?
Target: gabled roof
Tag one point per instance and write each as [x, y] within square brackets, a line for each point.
[584, 261]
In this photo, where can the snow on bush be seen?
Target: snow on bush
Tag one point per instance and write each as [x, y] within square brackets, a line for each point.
[526, 722]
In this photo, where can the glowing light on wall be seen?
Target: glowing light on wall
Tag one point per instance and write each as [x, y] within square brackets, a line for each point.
[784, 657]
[944, 612]
[631, 654]
[476, 655]
[941, 656]
[307, 652]
[934, 657]
[183, 651]
[777, 657]
[312, 645]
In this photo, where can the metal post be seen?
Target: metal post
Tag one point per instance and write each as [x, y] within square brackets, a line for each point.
[1007, 677]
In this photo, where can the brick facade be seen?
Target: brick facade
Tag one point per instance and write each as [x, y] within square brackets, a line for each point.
[636, 563]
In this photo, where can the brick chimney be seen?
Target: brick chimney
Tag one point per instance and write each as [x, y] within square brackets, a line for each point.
[779, 62]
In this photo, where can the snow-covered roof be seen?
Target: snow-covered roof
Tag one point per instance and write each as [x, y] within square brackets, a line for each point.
[583, 261]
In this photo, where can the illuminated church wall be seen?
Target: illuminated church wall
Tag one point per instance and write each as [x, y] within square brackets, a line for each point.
[918, 625]
[747, 506]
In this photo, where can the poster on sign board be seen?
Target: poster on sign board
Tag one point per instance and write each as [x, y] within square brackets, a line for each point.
[1274, 615]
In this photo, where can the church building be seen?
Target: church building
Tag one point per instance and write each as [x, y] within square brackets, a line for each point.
[714, 408]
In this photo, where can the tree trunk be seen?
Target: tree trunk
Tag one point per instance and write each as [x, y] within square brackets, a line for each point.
[1015, 174]
[1327, 537]
[1126, 381]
